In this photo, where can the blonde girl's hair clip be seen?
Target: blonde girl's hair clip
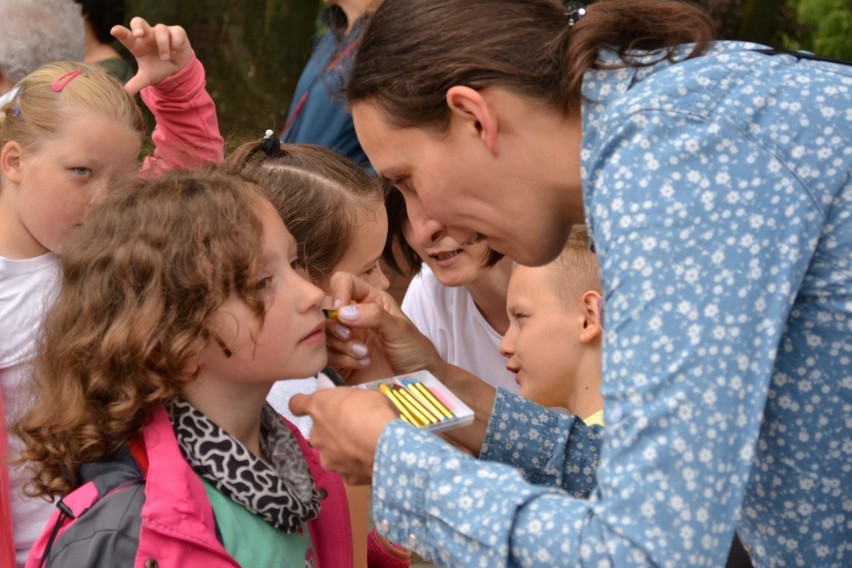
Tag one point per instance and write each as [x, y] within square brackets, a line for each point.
[63, 80]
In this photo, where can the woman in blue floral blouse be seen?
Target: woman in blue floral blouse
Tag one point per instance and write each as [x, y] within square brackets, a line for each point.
[716, 180]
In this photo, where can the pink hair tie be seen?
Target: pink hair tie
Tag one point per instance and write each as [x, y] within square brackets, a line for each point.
[63, 81]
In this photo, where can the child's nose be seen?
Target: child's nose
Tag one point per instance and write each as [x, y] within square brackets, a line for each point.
[382, 282]
[507, 347]
[314, 296]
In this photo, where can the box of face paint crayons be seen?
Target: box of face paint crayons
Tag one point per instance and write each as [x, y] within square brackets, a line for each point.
[423, 401]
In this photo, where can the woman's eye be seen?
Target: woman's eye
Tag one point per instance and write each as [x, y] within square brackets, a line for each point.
[403, 184]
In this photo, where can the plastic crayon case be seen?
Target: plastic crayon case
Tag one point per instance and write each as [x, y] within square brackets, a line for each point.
[423, 401]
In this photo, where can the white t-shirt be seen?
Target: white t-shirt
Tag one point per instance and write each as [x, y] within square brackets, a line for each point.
[26, 289]
[449, 318]
[279, 399]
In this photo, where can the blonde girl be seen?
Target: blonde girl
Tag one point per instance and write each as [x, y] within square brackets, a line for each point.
[67, 136]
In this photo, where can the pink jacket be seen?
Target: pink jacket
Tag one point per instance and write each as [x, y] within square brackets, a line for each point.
[186, 136]
[7, 540]
[177, 524]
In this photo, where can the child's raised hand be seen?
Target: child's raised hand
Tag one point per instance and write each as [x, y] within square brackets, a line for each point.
[160, 51]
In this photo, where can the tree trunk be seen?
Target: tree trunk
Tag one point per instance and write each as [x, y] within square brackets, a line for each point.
[253, 51]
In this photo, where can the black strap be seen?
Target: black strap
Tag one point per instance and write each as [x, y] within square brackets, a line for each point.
[803, 55]
[64, 513]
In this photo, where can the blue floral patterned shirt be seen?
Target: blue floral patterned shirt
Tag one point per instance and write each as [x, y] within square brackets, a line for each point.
[718, 191]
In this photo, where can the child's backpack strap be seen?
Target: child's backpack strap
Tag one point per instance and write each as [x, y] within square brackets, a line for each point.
[75, 504]
[67, 509]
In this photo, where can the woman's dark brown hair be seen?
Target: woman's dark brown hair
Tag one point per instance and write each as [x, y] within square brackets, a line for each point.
[413, 51]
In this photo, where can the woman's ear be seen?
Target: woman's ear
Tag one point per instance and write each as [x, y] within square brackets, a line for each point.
[468, 108]
[10, 161]
[592, 316]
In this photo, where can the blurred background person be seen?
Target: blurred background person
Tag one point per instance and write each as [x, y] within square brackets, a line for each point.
[35, 32]
[99, 16]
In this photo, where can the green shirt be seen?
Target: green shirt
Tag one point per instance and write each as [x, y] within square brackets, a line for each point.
[254, 542]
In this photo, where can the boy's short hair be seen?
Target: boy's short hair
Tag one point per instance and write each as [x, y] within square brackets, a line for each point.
[576, 268]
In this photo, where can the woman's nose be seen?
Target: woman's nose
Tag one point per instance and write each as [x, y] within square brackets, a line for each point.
[426, 229]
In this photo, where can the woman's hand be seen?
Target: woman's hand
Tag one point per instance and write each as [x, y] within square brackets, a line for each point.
[160, 51]
[347, 426]
[372, 338]
[394, 346]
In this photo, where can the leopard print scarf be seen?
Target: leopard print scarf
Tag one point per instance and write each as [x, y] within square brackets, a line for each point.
[282, 493]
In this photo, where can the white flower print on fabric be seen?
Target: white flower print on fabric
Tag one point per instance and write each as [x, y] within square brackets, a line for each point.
[718, 191]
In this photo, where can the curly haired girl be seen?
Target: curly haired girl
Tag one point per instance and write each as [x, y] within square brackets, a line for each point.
[183, 300]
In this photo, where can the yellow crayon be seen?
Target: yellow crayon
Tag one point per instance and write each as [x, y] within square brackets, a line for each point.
[438, 404]
[424, 402]
[329, 314]
[403, 412]
[413, 405]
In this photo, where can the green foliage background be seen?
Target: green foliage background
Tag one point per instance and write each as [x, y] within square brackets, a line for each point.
[254, 50]
[827, 27]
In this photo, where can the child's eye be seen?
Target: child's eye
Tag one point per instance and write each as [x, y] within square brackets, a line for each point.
[82, 171]
[372, 269]
[263, 283]
[298, 266]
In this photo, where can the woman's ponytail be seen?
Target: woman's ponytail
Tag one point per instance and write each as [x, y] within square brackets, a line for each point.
[626, 26]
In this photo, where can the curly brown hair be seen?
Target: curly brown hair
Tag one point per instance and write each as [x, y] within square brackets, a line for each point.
[139, 285]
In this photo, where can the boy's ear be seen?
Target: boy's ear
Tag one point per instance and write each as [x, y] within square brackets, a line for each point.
[10, 161]
[468, 107]
[592, 316]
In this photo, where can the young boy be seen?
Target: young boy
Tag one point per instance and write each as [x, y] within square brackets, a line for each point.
[554, 339]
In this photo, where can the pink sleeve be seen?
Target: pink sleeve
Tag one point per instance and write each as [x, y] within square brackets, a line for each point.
[382, 553]
[186, 135]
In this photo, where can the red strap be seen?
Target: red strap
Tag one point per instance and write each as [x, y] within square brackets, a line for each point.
[140, 454]
[343, 53]
[331, 65]
[295, 114]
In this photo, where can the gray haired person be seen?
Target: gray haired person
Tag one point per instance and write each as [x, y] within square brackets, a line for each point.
[35, 32]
